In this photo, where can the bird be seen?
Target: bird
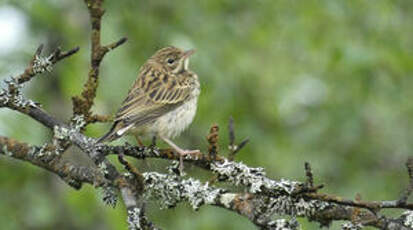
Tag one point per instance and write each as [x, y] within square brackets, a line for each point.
[162, 101]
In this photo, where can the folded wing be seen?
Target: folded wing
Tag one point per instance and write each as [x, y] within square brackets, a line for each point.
[153, 94]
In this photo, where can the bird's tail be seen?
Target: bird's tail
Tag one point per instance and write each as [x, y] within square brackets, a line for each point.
[109, 136]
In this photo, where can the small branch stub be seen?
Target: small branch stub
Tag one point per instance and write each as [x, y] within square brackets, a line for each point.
[213, 141]
[309, 175]
[233, 148]
[409, 165]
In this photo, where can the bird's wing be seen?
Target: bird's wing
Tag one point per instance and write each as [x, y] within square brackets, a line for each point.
[153, 94]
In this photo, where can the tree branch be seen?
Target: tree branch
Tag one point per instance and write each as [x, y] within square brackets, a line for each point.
[40, 64]
[47, 157]
[82, 104]
[264, 198]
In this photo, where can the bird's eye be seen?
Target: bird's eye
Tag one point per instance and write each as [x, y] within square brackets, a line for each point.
[170, 60]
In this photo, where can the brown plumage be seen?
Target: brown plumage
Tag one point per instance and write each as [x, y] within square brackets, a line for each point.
[162, 100]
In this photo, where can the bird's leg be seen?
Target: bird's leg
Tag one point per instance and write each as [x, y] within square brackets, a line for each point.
[153, 144]
[180, 151]
[138, 140]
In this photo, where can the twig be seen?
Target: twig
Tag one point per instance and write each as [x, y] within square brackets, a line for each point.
[113, 45]
[373, 206]
[309, 186]
[39, 64]
[310, 180]
[58, 55]
[134, 171]
[131, 187]
[233, 148]
[231, 131]
[241, 145]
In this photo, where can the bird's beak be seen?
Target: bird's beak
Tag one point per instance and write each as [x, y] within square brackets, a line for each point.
[188, 53]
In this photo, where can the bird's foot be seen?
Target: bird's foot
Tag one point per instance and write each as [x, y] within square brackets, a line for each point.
[182, 153]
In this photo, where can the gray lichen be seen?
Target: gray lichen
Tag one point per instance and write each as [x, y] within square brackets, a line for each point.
[171, 189]
[267, 207]
[12, 95]
[66, 133]
[351, 226]
[61, 133]
[227, 199]
[151, 151]
[408, 218]
[134, 219]
[44, 152]
[284, 224]
[6, 151]
[103, 167]
[42, 64]
[78, 122]
[173, 168]
[109, 196]
[254, 178]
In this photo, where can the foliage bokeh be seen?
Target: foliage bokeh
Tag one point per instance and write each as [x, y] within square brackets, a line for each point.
[328, 82]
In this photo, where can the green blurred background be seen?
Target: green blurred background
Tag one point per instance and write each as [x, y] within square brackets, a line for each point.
[323, 81]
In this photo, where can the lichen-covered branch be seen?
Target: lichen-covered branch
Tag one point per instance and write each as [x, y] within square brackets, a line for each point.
[12, 98]
[40, 64]
[254, 178]
[48, 157]
[169, 190]
[82, 104]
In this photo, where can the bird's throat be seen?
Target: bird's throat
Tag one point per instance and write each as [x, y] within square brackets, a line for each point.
[183, 66]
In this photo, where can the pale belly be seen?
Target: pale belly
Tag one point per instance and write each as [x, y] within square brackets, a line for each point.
[171, 124]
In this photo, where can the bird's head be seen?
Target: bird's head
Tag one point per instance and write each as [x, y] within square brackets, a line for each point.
[173, 59]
